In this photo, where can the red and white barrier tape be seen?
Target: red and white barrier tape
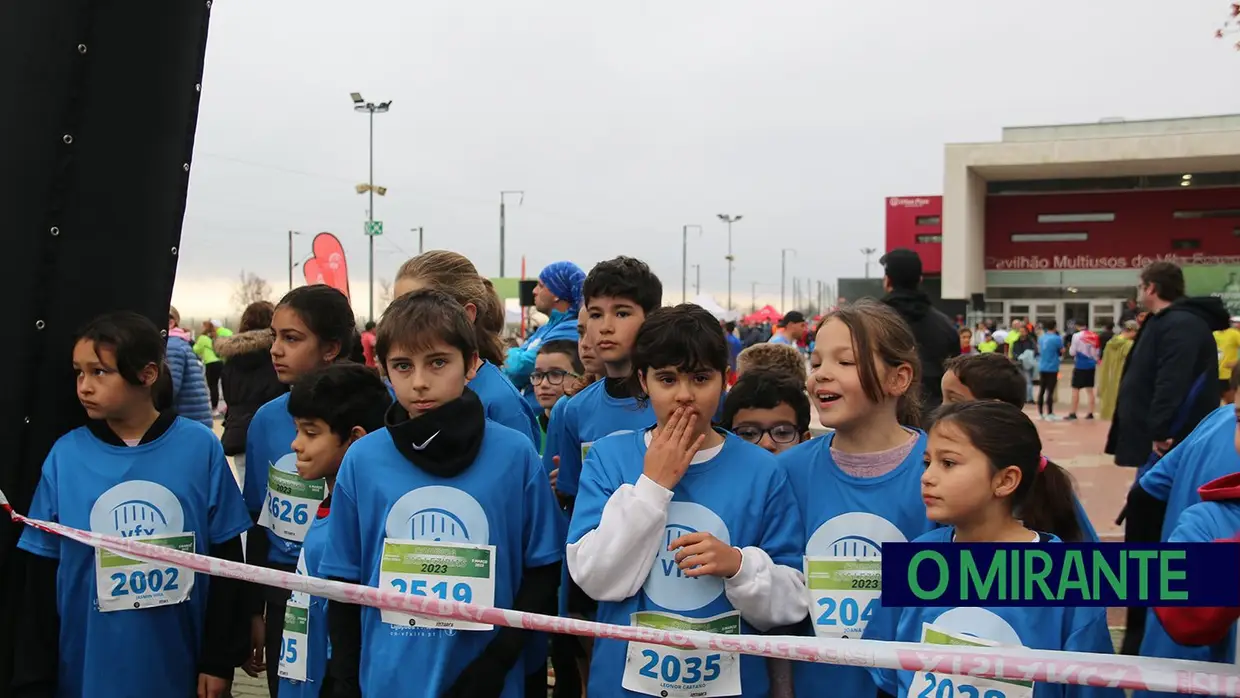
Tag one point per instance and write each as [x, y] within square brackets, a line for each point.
[1079, 668]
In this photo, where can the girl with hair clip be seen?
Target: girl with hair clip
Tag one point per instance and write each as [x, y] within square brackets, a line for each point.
[984, 481]
[860, 486]
[313, 327]
[453, 274]
[139, 471]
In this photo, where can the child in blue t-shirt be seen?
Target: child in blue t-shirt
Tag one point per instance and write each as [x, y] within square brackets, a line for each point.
[313, 328]
[85, 608]
[455, 275]
[995, 377]
[859, 486]
[681, 526]
[1050, 350]
[332, 408]
[444, 503]
[983, 472]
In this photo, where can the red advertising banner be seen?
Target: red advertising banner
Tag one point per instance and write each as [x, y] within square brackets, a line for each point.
[328, 265]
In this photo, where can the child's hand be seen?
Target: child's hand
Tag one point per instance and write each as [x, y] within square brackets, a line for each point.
[255, 663]
[702, 554]
[672, 449]
[555, 473]
[213, 686]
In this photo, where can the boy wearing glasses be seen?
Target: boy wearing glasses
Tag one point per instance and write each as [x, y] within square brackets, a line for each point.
[767, 408]
[556, 367]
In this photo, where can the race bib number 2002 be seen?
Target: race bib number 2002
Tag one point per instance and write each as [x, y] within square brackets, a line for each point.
[123, 584]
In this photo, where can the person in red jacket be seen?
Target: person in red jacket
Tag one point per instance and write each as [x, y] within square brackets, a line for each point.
[1197, 627]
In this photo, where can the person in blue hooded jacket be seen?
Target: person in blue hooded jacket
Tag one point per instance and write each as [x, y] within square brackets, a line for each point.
[558, 296]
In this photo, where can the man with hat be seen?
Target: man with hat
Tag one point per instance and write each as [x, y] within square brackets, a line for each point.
[790, 329]
[558, 296]
[936, 336]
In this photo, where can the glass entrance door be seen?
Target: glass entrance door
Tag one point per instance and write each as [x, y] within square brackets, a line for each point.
[1040, 312]
[1075, 315]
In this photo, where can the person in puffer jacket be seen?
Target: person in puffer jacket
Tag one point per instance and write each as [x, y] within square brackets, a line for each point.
[190, 398]
[249, 379]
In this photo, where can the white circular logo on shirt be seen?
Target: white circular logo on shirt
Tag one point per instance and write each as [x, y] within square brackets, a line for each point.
[137, 508]
[980, 623]
[287, 463]
[438, 514]
[855, 534]
[667, 585]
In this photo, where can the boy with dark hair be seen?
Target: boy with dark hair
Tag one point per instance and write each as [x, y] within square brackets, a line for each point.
[332, 408]
[683, 525]
[996, 377]
[439, 483]
[769, 409]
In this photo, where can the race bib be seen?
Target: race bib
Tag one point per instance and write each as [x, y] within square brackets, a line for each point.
[449, 571]
[930, 684]
[295, 642]
[585, 450]
[291, 504]
[843, 593]
[655, 670]
[122, 584]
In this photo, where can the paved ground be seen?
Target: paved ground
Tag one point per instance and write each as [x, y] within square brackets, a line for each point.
[1077, 446]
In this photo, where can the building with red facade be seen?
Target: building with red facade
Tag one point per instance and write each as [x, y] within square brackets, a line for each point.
[1054, 222]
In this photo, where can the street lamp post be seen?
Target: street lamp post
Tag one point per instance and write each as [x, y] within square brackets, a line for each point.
[783, 273]
[361, 105]
[291, 233]
[697, 285]
[419, 230]
[868, 252]
[520, 201]
[684, 260]
[729, 219]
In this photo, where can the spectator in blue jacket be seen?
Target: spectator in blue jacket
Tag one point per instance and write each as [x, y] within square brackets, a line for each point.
[558, 296]
[190, 397]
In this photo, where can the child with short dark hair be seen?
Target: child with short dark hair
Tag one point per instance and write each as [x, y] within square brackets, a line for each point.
[138, 472]
[556, 367]
[996, 377]
[333, 408]
[682, 525]
[769, 409]
[439, 482]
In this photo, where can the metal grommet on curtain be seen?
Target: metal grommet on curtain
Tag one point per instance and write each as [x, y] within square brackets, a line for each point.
[67, 139]
[81, 48]
[39, 324]
[174, 250]
[27, 420]
[163, 333]
[54, 231]
[198, 87]
[185, 167]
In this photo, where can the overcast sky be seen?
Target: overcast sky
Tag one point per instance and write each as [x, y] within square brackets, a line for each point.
[623, 121]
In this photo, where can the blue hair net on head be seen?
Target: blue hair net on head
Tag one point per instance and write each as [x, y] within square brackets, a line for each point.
[564, 279]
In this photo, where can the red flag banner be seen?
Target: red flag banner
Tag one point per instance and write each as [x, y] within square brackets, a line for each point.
[328, 265]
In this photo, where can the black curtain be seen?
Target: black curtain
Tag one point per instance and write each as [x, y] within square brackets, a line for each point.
[100, 101]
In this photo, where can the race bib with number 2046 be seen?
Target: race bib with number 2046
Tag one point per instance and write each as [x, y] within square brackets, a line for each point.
[844, 593]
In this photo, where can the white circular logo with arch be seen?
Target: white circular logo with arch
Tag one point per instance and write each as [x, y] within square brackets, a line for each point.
[666, 585]
[855, 534]
[438, 514]
[287, 463]
[979, 623]
[137, 508]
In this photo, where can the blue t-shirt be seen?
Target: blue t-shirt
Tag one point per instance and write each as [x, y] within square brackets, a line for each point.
[1050, 347]
[588, 417]
[503, 403]
[501, 499]
[850, 516]
[734, 349]
[269, 443]
[741, 496]
[1070, 629]
[1205, 455]
[1203, 522]
[318, 648]
[177, 483]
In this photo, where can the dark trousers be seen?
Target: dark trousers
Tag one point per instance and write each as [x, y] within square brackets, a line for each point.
[213, 371]
[1046, 391]
[276, 599]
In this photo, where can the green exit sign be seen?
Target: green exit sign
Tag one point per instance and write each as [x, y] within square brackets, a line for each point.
[374, 227]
